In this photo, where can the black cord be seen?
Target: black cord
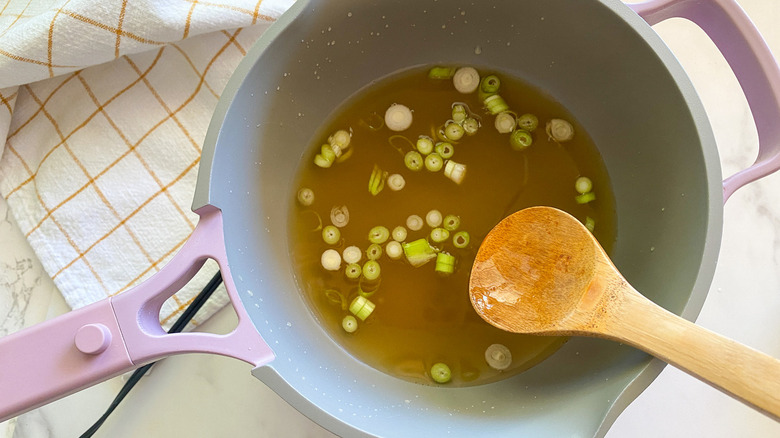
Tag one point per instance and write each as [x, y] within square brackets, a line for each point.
[177, 327]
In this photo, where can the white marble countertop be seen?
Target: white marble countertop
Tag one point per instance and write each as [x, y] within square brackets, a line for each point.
[204, 396]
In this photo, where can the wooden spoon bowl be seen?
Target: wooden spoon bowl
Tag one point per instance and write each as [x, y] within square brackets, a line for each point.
[540, 271]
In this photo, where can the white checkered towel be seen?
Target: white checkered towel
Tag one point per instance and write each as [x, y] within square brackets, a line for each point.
[104, 105]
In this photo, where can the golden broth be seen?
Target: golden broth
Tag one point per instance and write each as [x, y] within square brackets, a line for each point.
[422, 318]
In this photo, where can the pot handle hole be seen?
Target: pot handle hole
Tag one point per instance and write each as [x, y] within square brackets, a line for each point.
[749, 57]
[84, 347]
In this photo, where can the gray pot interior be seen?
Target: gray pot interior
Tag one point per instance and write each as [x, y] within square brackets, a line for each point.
[597, 58]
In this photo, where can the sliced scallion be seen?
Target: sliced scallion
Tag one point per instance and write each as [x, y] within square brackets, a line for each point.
[312, 220]
[320, 161]
[505, 122]
[349, 324]
[470, 125]
[439, 235]
[445, 263]
[305, 196]
[398, 117]
[353, 271]
[585, 198]
[331, 260]
[361, 307]
[453, 131]
[560, 130]
[583, 185]
[455, 171]
[425, 145]
[441, 373]
[433, 218]
[345, 155]
[434, 162]
[413, 161]
[394, 250]
[419, 252]
[490, 84]
[496, 104]
[520, 139]
[461, 239]
[367, 289]
[399, 234]
[459, 113]
[376, 182]
[414, 222]
[374, 251]
[466, 80]
[339, 216]
[378, 234]
[590, 223]
[498, 357]
[340, 139]
[352, 254]
[396, 182]
[331, 235]
[328, 152]
[445, 150]
[529, 122]
[451, 222]
[371, 270]
[336, 297]
[441, 72]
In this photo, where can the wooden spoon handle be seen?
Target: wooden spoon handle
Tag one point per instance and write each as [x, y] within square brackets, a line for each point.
[740, 371]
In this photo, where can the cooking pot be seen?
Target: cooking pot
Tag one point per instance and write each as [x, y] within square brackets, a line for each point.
[599, 58]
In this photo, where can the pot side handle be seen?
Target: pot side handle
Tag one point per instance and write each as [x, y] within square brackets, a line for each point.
[84, 347]
[738, 40]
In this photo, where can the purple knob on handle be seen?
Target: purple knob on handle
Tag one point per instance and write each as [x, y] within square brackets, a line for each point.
[92, 338]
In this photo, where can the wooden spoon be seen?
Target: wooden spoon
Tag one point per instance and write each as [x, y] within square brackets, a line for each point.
[540, 271]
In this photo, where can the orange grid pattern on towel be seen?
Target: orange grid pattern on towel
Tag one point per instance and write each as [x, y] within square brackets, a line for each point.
[112, 29]
[99, 164]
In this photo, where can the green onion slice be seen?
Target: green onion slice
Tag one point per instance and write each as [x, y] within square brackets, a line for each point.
[461, 239]
[336, 297]
[520, 139]
[331, 235]
[585, 198]
[419, 252]
[441, 72]
[361, 307]
[445, 149]
[399, 234]
[374, 251]
[353, 271]
[451, 222]
[378, 234]
[306, 196]
[377, 181]
[496, 104]
[439, 235]
[590, 223]
[349, 324]
[583, 185]
[434, 162]
[413, 160]
[490, 84]
[424, 145]
[529, 122]
[440, 373]
[445, 263]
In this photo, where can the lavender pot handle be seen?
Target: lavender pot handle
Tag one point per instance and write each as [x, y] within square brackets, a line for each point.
[750, 59]
[81, 348]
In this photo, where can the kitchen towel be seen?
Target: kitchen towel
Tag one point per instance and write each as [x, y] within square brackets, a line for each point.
[104, 105]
